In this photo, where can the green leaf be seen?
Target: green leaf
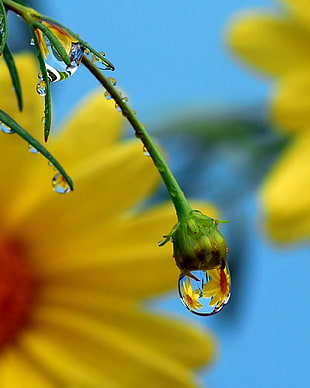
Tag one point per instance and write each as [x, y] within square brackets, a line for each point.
[12, 124]
[3, 27]
[14, 75]
[47, 98]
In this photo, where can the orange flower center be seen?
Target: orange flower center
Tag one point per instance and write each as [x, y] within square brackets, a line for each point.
[16, 290]
[223, 282]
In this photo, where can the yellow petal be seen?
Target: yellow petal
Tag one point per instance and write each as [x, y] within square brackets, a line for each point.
[31, 115]
[91, 127]
[105, 186]
[14, 151]
[161, 334]
[291, 103]
[16, 369]
[299, 8]
[87, 344]
[270, 44]
[285, 194]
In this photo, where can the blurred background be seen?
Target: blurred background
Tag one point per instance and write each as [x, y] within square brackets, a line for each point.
[210, 114]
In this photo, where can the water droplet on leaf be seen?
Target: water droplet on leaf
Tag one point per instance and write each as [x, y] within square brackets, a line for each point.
[205, 292]
[60, 185]
[32, 149]
[6, 129]
[41, 88]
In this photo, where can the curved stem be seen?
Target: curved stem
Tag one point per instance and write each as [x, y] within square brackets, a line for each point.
[178, 198]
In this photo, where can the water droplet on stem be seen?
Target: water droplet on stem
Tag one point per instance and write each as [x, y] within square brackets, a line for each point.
[145, 151]
[41, 88]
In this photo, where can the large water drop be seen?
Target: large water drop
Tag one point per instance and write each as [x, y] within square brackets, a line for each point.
[56, 68]
[205, 292]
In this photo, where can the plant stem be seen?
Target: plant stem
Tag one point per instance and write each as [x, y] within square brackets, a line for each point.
[178, 198]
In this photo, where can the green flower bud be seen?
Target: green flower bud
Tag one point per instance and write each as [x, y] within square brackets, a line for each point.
[198, 244]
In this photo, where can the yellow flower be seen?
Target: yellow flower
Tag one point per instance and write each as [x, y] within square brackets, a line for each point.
[218, 288]
[63, 36]
[191, 296]
[279, 45]
[75, 268]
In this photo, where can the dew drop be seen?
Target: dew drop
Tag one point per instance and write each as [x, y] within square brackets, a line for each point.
[146, 152]
[60, 185]
[112, 80]
[118, 108]
[41, 88]
[56, 68]
[125, 99]
[40, 76]
[32, 149]
[107, 95]
[32, 43]
[205, 292]
[43, 120]
[6, 129]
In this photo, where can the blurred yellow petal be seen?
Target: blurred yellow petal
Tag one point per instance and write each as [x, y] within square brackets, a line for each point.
[109, 347]
[285, 193]
[269, 43]
[93, 125]
[300, 8]
[290, 107]
[16, 369]
[99, 184]
[159, 332]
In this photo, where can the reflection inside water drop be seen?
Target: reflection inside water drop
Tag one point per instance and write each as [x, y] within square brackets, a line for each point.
[56, 68]
[6, 129]
[32, 149]
[60, 185]
[205, 292]
[41, 88]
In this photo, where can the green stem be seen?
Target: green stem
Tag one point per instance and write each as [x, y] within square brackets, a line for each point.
[22, 10]
[178, 198]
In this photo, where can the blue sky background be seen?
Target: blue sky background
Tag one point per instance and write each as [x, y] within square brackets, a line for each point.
[171, 60]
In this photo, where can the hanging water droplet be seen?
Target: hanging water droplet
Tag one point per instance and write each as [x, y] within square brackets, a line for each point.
[40, 76]
[146, 152]
[205, 292]
[32, 42]
[112, 80]
[118, 108]
[6, 129]
[107, 95]
[56, 68]
[43, 120]
[41, 88]
[32, 149]
[60, 185]
[125, 99]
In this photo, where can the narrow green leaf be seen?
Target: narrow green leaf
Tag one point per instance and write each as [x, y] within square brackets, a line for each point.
[14, 75]
[54, 41]
[11, 123]
[47, 99]
[3, 27]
